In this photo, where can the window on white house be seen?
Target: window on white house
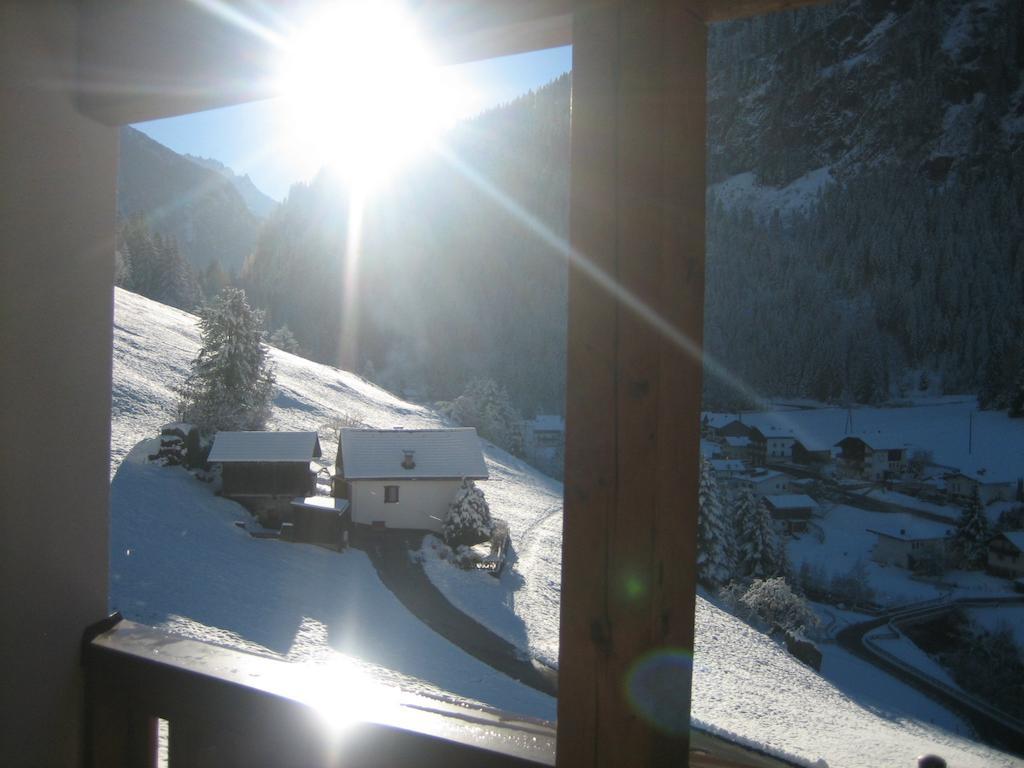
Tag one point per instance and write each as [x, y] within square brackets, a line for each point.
[390, 494]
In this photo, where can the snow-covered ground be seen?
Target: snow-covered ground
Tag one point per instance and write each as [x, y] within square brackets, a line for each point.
[904, 649]
[847, 540]
[744, 191]
[179, 561]
[952, 428]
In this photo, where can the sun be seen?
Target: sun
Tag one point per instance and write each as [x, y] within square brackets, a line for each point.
[361, 94]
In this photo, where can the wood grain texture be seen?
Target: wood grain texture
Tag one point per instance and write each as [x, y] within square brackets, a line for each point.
[633, 392]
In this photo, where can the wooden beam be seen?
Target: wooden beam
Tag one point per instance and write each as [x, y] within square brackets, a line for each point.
[633, 390]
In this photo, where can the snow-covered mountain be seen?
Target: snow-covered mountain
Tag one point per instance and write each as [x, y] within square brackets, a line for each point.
[197, 206]
[258, 202]
[179, 561]
[799, 98]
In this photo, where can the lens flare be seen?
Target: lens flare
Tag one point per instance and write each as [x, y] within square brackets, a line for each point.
[658, 689]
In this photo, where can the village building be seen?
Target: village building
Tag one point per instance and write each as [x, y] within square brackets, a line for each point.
[1006, 554]
[318, 520]
[728, 471]
[770, 448]
[813, 450]
[405, 478]
[765, 482]
[793, 510]
[907, 542]
[873, 462]
[730, 427]
[728, 468]
[736, 447]
[544, 442]
[264, 471]
[963, 486]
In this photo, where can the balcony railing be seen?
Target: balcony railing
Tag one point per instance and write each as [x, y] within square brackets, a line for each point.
[225, 708]
[229, 708]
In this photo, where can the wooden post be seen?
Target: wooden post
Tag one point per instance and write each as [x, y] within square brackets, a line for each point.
[634, 384]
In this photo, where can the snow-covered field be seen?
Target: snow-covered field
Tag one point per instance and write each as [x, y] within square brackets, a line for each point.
[847, 541]
[952, 428]
[179, 561]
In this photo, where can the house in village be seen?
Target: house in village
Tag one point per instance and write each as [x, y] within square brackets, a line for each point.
[727, 470]
[813, 450]
[264, 471]
[736, 447]
[770, 447]
[793, 510]
[873, 462]
[405, 478]
[544, 442]
[1006, 554]
[765, 482]
[963, 486]
[907, 542]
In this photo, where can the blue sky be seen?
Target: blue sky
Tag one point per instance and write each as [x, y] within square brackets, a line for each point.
[234, 135]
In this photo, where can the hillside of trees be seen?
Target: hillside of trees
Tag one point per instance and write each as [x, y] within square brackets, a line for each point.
[447, 286]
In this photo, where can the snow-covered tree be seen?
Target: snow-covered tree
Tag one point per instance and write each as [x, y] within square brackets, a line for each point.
[758, 548]
[775, 603]
[231, 382]
[469, 517]
[284, 340]
[972, 534]
[486, 405]
[714, 564]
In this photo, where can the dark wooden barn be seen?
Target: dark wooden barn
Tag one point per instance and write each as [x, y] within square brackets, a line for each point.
[266, 464]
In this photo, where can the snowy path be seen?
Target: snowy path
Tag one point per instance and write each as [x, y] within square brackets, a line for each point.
[391, 556]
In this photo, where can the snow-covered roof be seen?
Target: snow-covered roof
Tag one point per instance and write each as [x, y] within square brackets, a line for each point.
[321, 503]
[791, 501]
[436, 453]
[737, 442]
[727, 465]
[1016, 538]
[548, 422]
[907, 528]
[264, 447]
[816, 443]
[980, 476]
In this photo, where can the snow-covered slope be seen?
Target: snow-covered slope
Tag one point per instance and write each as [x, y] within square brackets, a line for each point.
[178, 560]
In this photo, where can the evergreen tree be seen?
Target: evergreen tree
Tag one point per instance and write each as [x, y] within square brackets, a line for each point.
[714, 566]
[469, 517]
[231, 383]
[972, 534]
[283, 339]
[757, 545]
[486, 405]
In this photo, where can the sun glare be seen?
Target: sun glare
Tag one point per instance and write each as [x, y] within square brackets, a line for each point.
[361, 93]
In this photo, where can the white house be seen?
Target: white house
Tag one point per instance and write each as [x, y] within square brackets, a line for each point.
[765, 482]
[872, 461]
[905, 541]
[405, 478]
[962, 485]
